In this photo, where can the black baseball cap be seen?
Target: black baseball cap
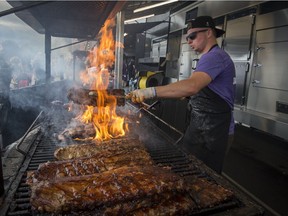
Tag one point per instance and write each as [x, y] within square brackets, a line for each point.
[204, 22]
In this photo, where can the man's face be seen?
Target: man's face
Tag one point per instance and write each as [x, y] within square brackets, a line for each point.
[196, 38]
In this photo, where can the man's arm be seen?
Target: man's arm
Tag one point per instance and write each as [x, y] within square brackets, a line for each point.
[183, 88]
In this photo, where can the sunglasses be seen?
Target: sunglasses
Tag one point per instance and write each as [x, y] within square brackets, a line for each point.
[193, 35]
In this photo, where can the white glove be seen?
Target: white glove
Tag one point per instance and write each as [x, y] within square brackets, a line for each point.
[139, 95]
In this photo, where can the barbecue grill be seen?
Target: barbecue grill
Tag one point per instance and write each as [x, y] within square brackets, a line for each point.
[41, 144]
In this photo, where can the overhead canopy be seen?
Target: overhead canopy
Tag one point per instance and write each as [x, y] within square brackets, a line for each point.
[70, 19]
[139, 27]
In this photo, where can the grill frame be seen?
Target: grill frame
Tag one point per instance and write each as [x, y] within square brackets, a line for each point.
[162, 150]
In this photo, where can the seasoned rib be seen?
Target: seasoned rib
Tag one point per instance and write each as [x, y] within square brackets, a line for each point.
[89, 97]
[80, 131]
[208, 194]
[106, 189]
[88, 165]
[109, 148]
[165, 204]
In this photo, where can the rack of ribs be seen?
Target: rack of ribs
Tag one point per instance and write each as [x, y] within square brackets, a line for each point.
[129, 187]
[88, 165]
[110, 147]
[89, 97]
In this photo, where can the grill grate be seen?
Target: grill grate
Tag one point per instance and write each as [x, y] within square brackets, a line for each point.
[162, 151]
[43, 152]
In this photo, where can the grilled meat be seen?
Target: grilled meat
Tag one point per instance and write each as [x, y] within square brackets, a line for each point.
[125, 184]
[207, 194]
[98, 149]
[80, 131]
[89, 97]
[88, 165]
[179, 204]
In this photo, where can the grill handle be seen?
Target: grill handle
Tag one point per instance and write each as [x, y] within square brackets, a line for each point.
[27, 132]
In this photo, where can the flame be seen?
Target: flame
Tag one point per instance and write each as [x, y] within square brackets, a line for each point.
[106, 122]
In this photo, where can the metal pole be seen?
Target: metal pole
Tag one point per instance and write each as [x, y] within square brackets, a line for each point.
[119, 49]
[27, 132]
[74, 67]
[2, 190]
[22, 7]
[48, 56]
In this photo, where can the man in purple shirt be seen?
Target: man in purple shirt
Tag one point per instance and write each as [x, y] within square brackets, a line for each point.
[211, 89]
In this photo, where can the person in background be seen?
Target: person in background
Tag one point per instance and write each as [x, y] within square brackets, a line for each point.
[39, 76]
[131, 69]
[125, 77]
[20, 76]
[211, 88]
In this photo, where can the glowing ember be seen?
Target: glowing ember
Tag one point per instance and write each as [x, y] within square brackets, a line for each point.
[104, 118]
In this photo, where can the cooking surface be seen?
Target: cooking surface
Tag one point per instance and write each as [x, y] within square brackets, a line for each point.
[162, 151]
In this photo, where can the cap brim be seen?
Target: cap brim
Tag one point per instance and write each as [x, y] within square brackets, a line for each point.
[219, 32]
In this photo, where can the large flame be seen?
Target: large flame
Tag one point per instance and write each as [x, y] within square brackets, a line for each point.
[104, 118]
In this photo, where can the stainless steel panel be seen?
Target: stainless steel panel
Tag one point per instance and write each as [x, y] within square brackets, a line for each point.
[237, 44]
[159, 49]
[211, 8]
[220, 8]
[269, 76]
[155, 50]
[263, 100]
[186, 48]
[240, 68]
[263, 122]
[185, 64]
[163, 48]
[237, 41]
[172, 65]
[271, 20]
[273, 35]
[271, 66]
[177, 21]
[172, 69]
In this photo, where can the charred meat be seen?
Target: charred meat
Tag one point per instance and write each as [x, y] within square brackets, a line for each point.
[207, 194]
[89, 97]
[87, 166]
[122, 185]
[107, 148]
[178, 204]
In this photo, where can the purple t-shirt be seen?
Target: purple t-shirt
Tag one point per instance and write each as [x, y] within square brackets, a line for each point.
[219, 66]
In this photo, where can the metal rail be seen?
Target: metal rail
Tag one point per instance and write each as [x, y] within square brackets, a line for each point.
[27, 132]
[146, 108]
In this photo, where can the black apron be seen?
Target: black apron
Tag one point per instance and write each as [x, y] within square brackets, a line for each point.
[206, 136]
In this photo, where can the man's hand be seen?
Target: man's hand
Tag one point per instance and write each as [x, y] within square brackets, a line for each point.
[139, 95]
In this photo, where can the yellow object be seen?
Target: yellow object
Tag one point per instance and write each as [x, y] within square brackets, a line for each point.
[142, 82]
[150, 80]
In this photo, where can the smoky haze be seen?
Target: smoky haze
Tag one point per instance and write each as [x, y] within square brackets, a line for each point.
[19, 42]
[17, 38]
[24, 50]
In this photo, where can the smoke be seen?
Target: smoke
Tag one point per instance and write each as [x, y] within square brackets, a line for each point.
[18, 39]
[24, 50]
